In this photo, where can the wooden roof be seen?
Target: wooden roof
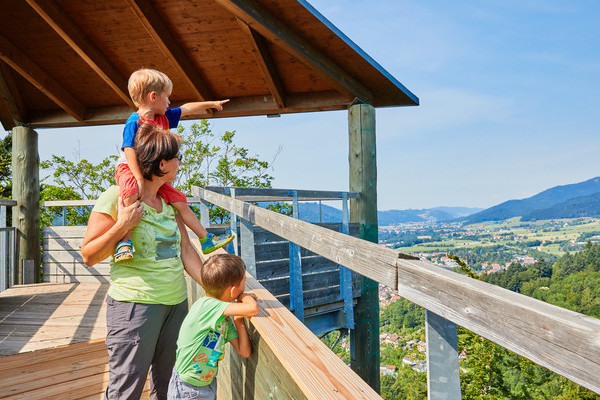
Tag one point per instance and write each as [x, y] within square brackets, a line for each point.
[66, 62]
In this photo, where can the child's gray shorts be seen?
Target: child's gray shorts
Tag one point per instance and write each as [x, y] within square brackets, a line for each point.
[179, 389]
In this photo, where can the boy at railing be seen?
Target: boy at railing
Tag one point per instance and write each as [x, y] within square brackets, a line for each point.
[211, 322]
[150, 90]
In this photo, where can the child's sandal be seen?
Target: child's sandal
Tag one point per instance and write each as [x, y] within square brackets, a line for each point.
[124, 251]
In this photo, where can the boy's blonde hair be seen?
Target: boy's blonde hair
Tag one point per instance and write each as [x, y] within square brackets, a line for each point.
[146, 80]
[220, 272]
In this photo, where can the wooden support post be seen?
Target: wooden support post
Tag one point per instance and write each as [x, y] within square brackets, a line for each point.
[362, 158]
[26, 191]
[443, 375]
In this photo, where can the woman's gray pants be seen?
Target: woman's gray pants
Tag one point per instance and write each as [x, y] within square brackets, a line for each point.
[141, 338]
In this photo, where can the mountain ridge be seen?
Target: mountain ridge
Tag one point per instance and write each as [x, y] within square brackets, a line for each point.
[531, 207]
[309, 212]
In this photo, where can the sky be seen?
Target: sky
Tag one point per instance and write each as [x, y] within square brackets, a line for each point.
[509, 105]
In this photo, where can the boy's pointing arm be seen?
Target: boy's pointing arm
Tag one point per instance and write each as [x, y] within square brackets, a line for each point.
[196, 107]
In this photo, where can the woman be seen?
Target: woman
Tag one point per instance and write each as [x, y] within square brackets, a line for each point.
[147, 298]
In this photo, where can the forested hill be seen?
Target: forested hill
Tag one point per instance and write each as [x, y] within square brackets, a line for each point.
[583, 206]
[578, 199]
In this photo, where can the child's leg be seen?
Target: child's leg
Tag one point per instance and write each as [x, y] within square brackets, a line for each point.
[190, 219]
[209, 242]
[128, 189]
[127, 202]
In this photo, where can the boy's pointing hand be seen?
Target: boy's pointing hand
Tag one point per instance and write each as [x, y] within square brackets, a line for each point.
[218, 105]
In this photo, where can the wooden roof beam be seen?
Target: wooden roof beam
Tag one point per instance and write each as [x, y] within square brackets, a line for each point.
[39, 78]
[9, 109]
[265, 63]
[83, 46]
[277, 32]
[162, 35]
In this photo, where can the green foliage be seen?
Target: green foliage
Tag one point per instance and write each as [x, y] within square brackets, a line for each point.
[407, 384]
[483, 378]
[402, 317]
[87, 179]
[5, 167]
[211, 159]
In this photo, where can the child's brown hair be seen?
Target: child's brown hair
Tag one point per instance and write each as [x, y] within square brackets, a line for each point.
[146, 80]
[220, 272]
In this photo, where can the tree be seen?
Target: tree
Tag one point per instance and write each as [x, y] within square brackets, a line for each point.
[88, 179]
[214, 159]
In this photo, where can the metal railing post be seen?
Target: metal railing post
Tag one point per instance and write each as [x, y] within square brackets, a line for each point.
[233, 222]
[296, 290]
[247, 245]
[204, 213]
[443, 374]
[345, 273]
[3, 253]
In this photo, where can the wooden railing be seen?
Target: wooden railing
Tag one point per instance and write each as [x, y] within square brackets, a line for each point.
[8, 248]
[563, 341]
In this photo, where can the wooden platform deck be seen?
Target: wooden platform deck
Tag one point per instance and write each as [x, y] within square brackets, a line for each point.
[40, 316]
[52, 341]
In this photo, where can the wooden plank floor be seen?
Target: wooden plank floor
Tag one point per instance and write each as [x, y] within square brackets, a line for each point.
[46, 315]
[52, 342]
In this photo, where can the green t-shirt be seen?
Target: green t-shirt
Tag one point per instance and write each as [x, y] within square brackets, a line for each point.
[155, 273]
[201, 342]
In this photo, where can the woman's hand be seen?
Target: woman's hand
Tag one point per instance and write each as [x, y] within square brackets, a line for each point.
[103, 233]
[129, 216]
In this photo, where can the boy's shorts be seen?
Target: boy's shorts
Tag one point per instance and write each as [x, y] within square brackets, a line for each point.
[179, 389]
[128, 186]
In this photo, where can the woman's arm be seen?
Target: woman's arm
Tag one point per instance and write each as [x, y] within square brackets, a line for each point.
[191, 260]
[103, 232]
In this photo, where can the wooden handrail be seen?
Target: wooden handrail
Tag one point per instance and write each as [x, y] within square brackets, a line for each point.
[368, 259]
[563, 341]
[8, 202]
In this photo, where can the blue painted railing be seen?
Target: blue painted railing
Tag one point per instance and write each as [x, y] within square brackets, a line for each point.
[8, 248]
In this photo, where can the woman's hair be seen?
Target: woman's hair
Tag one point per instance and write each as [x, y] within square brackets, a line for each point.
[146, 80]
[220, 272]
[152, 145]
